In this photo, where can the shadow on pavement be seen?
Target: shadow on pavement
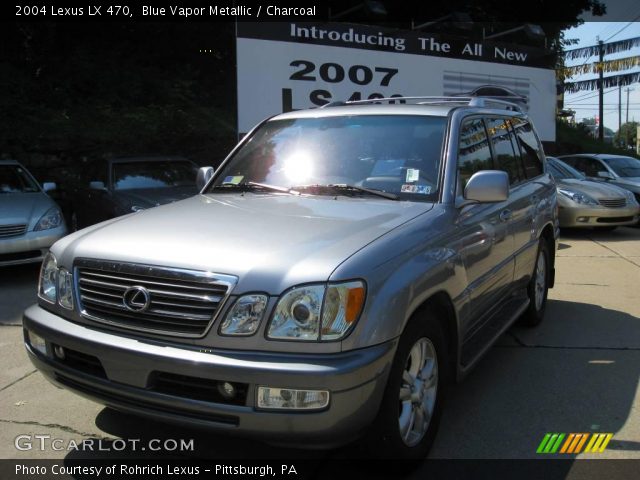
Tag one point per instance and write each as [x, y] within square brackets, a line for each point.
[527, 386]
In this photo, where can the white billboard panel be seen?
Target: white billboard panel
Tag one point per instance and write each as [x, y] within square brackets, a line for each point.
[275, 76]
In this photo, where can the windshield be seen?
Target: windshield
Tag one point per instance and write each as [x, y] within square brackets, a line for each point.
[131, 175]
[561, 171]
[624, 166]
[14, 179]
[388, 153]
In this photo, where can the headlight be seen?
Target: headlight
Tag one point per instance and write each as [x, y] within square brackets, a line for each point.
[317, 312]
[631, 198]
[136, 208]
[245, 316]
[65, 289]
[48, 279]
[578, 197]
[51, 219]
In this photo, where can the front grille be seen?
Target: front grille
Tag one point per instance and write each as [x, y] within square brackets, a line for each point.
[613, 202]
[149, 298]
[12, 230]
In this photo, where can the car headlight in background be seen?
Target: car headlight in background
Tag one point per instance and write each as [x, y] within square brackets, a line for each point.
[578, 197]
[245, 315]
[631, 198]
[317, 312]
[55, 284]
[48, 279]
[51, 219]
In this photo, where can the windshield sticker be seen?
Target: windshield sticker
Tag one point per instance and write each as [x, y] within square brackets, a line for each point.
[421, 189]
[233, 180]
[413, 174]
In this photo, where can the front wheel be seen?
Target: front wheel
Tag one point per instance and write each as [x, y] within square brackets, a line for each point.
[410, 413]
[538, 288]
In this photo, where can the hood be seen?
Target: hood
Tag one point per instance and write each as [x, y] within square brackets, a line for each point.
[270, 242]
[596, 190]
[630, 183]
[24, 208]
[152, 197]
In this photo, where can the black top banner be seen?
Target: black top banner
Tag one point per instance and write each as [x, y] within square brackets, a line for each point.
[396, 40]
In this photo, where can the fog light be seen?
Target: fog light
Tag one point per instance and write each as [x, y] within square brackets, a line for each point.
[227, 390]
[582, 219]
[37, 342]
[58, 351]
[291, 399]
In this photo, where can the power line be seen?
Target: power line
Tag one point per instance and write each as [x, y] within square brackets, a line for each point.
[623, 28]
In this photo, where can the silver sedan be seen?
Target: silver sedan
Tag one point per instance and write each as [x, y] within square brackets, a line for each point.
[30, 221]
[583, 203]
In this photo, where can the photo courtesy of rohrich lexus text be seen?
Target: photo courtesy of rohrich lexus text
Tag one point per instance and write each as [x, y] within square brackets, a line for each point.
[312, 240]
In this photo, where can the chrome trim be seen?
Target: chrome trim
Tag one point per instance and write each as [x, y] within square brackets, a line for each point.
[613, 202]
[166, 275]
[8, 231]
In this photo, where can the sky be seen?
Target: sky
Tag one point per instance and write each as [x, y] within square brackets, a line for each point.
[585, 103]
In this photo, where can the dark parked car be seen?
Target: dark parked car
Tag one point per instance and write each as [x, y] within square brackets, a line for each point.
[119, 186]
[615, 169]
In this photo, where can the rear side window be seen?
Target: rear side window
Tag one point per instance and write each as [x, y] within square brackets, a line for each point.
[506, 157]
[529, 147]
[474, 153]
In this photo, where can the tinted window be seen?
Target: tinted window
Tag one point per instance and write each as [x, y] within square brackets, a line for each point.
[474, 153]
[506, 158]
[589, 166]
[529, 147]
[153, 175]
[624, 166]
[14, 179]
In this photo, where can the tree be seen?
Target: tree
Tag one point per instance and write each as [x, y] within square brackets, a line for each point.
[627, 135]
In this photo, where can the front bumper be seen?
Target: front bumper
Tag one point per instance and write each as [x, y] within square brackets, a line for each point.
[571, 217]
[355, 380]
[30, 247]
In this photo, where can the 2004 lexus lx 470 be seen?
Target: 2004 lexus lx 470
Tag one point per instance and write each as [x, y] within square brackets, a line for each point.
[340, 267]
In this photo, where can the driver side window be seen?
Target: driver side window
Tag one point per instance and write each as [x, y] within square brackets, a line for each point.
[474, 153]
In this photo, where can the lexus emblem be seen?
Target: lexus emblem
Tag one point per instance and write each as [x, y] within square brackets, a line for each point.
[136, 299]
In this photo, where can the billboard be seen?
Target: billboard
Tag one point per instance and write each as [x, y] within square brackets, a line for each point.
[290, 66]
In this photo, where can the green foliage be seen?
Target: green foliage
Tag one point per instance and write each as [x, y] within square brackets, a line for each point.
[627, 134]
[577, 139]
[101, 89]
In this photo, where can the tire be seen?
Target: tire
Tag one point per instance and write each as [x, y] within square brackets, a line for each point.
[538, 288]
[396, 432]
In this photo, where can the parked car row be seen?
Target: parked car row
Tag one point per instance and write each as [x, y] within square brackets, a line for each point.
[588, 203]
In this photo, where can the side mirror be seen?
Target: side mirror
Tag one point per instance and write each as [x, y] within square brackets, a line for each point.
[605, 175]
[204, 175]
[97, 185]
[487, 186]
[48, 186]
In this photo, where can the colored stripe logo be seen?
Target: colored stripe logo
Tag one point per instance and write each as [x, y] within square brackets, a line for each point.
[574, 443]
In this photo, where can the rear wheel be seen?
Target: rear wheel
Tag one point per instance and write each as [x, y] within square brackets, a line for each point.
[538, 288]
[410, 413]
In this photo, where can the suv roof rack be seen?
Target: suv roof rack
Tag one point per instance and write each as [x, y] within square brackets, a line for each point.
[479, 101]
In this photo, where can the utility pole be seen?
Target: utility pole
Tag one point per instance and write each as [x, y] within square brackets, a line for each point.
[601, 91]
[619, 106]
[628, 90]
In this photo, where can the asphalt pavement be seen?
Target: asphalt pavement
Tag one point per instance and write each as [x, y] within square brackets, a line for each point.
[577, 372]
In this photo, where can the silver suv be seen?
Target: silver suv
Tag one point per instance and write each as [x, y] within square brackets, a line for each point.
[333, 275]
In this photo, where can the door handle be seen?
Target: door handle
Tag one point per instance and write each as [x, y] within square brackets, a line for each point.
[505, 215]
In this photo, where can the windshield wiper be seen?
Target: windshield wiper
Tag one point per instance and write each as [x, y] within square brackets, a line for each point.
[348, 188]
[250, 186]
